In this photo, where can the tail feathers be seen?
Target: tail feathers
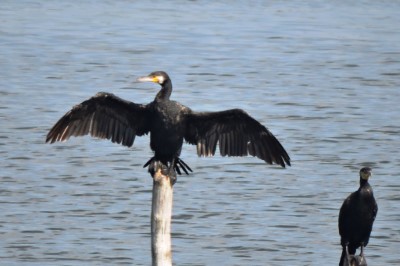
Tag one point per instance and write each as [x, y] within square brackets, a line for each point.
[183, 165]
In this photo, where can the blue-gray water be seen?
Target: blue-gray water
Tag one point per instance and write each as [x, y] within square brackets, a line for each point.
[324, 76]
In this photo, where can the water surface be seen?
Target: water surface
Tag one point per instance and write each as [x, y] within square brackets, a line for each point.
[324, 77]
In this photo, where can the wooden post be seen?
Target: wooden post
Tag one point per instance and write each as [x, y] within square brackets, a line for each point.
[161, 212]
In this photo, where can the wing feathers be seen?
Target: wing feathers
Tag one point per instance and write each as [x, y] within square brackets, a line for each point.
[237, 133]
[103, 116]
[213, 140]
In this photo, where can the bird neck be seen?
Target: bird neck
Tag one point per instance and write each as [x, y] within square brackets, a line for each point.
[165, 92]
[363, 182]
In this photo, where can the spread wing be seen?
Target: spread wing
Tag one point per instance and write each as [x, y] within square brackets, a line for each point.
[237, 133]
[103, 116]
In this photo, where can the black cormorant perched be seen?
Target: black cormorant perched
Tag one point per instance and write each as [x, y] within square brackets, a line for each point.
[169, 123]
[356, 218]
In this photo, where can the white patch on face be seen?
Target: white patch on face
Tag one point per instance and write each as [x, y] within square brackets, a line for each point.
[365, 176]
[160, 79]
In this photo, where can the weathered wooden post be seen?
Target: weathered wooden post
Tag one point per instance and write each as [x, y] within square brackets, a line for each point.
[161, 212]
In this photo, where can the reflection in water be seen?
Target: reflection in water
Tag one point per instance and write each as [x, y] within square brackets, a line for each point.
[323, 76]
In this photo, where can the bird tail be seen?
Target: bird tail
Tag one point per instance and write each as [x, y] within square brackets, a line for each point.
[183, 165]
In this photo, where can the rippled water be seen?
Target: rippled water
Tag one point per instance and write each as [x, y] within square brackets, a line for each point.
[324, 77]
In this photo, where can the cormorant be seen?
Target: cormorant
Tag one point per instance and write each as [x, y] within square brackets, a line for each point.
[356, 218]
[107, 116]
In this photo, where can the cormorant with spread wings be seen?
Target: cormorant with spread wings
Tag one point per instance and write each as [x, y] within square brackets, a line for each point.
[107, 116]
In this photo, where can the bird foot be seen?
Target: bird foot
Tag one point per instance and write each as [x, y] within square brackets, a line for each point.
[354, 260]
[361, 258]
[168, 171]
[357, 260]
[362, 250]
[171, 172]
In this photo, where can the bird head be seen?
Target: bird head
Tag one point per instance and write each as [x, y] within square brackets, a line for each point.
[365, 173]
[159, 77]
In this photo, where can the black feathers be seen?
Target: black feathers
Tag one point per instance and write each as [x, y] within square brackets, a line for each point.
[103, 116]
[108, 117]
[237, 133]
[357, 216]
